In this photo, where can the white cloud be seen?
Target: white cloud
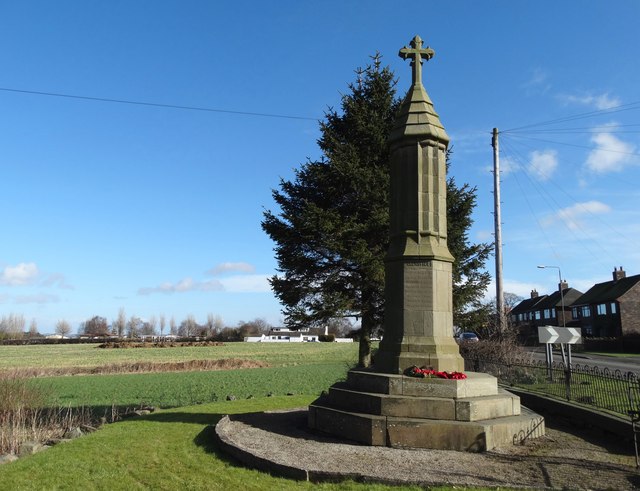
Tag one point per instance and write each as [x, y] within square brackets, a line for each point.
[40, 298]
[231, 268]
[572, 216]
[485, 235]
[507, 166]
[232, 283]
[184, 285]
[537, 82]
[602, 101]
[543, 164]
[56, 279]
[19, 275]
[520, 288]
[610, 155]
[255, 283]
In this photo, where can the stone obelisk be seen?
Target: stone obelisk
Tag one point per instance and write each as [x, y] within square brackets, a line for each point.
[418, 325]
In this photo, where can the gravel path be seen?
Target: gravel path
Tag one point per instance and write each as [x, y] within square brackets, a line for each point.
[280, 442]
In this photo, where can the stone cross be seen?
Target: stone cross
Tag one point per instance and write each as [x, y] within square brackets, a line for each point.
[417, 53]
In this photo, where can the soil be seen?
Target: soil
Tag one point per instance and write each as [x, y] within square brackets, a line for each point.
[566, 458]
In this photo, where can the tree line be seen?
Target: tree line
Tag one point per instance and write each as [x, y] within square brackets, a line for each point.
[13, 326]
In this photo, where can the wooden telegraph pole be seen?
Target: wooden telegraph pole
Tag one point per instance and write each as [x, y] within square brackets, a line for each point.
[498, 233]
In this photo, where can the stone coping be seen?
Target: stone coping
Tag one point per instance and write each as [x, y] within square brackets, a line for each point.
[280, 443]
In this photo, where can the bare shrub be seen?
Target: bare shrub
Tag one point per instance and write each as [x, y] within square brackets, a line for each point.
[505, 352]
[23, 416]
[138, 367]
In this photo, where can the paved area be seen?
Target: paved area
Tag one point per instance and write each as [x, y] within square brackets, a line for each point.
[280, 442]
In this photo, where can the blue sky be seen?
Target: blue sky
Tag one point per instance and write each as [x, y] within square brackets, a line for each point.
[157, 210]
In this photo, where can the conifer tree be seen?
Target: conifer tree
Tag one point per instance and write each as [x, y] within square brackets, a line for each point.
[331, 232]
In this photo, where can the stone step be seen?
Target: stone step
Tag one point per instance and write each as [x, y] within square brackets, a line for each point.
[470, 436]
[503, 404]
[475, 385]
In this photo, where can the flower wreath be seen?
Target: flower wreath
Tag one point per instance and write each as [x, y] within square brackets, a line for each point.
[423, 372]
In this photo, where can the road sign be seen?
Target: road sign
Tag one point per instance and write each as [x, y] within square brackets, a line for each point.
[563, 335]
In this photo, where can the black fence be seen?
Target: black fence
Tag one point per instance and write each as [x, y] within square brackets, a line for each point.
[611, 390]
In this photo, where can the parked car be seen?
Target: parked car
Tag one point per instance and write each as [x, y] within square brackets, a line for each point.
[468, 337]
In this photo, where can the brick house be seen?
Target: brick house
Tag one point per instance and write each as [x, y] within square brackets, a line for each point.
[546, 310]
[610, 309]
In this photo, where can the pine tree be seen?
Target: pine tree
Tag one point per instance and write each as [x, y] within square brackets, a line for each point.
[470, 279]
[331, 233]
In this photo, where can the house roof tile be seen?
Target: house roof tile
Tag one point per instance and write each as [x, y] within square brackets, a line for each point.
[607, 291]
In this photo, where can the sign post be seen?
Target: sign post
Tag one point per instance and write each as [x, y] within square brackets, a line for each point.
[549, 335]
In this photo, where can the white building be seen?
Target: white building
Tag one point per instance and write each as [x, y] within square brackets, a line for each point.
[284, 335]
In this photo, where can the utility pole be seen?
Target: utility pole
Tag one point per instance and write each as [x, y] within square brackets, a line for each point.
[498, 232]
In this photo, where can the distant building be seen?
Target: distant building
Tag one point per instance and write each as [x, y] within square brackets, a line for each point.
[610, 309]
[284, 335]
[546, 310]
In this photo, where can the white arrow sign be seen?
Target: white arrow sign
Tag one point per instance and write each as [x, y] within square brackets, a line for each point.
[564, 335]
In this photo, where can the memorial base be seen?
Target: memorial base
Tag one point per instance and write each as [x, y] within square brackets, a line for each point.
[391, 410]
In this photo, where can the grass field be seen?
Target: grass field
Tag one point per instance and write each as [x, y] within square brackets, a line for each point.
[297, 368]
[89, 355]
[174, 389]
[166, 450]
[172, 448]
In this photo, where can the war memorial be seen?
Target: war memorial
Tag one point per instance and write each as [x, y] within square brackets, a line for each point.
[416, 395]
[386, 405]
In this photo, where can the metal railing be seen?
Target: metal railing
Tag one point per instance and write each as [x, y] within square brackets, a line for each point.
[610, 390]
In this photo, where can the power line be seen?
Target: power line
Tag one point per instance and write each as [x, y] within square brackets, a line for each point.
[610, 110]
[635, 154]
[155, 104]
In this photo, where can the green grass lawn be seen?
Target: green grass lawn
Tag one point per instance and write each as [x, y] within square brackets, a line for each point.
[171, 449]
[172, 389]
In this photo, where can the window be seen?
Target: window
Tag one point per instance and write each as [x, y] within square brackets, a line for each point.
[602, 309]
[553, 313]
[614, 308]
[586, 311]
[547, 314]
[537, 315]
[574, 313]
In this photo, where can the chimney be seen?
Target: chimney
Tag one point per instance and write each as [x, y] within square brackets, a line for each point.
[563, 285]
[618, 274]
[534, 293]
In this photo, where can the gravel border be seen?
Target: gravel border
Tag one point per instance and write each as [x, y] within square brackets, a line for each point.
[280, 443]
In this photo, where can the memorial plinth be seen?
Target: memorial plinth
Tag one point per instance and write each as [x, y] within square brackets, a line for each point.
[383, 406]
[378, 409]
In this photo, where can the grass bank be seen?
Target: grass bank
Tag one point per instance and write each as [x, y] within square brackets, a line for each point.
[167, 450]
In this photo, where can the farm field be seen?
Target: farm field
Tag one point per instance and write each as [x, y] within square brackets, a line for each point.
[173, 389]
[170, 448]
[294, 368]
[89, 355]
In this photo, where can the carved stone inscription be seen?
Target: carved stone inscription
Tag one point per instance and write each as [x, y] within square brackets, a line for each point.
[418, 286]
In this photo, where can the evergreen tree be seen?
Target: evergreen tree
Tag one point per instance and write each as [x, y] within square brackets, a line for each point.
[470, 280]
[332, 229]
